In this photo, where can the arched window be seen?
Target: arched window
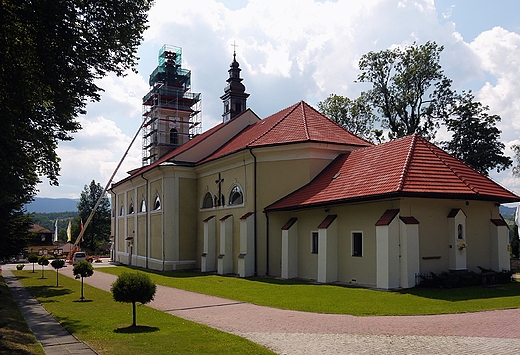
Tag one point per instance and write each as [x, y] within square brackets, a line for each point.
[131, 208]
[236, 197]
[174, 136]
[157, 204]
[122, 211]
[208, 201]
[143, 206]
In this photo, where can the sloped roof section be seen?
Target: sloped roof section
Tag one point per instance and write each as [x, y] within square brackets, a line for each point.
[410, 166]
[297, 123]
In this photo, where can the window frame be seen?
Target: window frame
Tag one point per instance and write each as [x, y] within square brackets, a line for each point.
[314, 239]
[236, 189]
[353, 245]
[207, 197]
[157, 205]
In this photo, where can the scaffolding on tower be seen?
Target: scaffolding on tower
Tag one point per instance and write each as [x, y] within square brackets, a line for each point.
[171, 112]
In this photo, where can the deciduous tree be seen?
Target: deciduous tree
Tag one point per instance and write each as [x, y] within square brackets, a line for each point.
[43, 261]
[409, 88]
[355, 115]
[57, 264]
[32, 258]
[83, 269]
[52, 53]
[98, 230]
[475, 137]
[133, 288]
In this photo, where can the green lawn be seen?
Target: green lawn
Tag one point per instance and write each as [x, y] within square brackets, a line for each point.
[105, 324]
[303, 296]
[15, 336]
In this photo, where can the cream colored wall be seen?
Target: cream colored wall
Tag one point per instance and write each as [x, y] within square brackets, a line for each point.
[433, 231]
[237, 169]
[277, 179]
[353, 218]
[188, 219]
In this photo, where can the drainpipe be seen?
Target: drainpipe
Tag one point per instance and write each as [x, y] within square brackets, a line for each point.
[147, 221]
[254, 222]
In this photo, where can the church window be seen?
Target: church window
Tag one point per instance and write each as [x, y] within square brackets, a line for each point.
[174, 136]
[208, 201]
[157, 204]
[236, 197]
[131, 208]
[357, 243]
[238, 107]
[122, 211]
[314, 242]
[143, 206]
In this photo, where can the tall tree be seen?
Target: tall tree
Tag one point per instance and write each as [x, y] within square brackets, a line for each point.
[98, 230]
[475, 137]
[355, 115]
[52, 52]
[409, 88]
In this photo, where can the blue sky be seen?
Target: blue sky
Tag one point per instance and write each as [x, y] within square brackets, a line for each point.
[292, 50]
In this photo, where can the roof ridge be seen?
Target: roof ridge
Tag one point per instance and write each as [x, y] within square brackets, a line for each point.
[429, 146]
[407, 163]
[289, 111]
[304, 116]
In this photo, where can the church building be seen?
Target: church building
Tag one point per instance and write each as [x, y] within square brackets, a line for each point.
[294, 195]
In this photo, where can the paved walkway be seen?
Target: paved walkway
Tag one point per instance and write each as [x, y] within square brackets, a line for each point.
[292, 332]
[55, 339]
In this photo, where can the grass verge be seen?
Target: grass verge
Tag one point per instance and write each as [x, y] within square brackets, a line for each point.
[105, 324]
[15, 336]
[337, 299]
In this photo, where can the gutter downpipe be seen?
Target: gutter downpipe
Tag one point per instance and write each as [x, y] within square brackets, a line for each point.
[147, 221]
[254, 211]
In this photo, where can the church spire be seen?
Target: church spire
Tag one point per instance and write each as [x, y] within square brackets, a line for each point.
[234, 97]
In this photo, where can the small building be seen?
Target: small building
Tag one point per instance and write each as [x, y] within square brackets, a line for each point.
[42, 242]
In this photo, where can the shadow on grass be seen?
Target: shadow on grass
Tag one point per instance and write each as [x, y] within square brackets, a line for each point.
[47, 291]
[137, 329]
[73, 326]
[466, 293]
[83, 301]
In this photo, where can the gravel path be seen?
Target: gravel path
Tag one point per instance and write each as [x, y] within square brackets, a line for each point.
[293, 332]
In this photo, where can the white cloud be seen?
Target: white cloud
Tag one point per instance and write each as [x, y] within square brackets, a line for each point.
[288, 50]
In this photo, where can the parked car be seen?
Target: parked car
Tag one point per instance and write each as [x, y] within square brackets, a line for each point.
[78, 256]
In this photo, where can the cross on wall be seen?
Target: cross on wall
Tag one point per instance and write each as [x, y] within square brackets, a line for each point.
[219, 181]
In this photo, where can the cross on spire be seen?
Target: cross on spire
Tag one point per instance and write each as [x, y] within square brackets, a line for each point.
[234, 45]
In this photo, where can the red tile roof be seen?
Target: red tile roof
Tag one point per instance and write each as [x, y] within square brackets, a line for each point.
[297, 123]
[410, 166]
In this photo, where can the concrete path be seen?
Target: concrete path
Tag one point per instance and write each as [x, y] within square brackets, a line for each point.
[55, 339]
[292, 332]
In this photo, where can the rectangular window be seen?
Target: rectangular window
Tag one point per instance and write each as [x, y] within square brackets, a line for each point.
[357, 243]
[314, 242]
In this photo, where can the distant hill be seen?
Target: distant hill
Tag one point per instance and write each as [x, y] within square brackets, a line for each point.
[508, 213]
[49, 205]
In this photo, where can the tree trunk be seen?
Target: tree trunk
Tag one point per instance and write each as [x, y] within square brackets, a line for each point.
[133, 311]
[57, 277]
[82, 298]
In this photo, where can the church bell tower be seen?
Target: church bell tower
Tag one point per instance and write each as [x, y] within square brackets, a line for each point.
[234, 97]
